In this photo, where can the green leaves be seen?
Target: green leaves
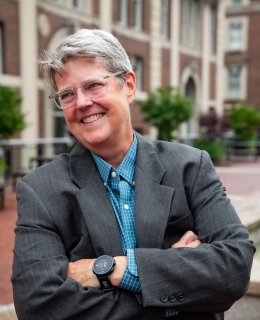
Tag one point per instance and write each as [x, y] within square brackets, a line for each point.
[11, 119]
[215, 148]
[165, 108]
[244, 120]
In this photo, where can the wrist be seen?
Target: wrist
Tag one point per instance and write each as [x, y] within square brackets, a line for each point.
[102, 267]
[120, 267]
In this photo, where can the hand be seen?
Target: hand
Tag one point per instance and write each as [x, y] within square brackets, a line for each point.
[189, 239]
[81, 271]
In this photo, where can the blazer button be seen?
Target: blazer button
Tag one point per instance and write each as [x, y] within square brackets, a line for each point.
[172, 297]
[181, 297]
[164, 297]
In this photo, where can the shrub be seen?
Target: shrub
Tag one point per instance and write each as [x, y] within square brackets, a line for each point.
[244, 120]
[166, 109]
[215, 148]
[11, 119]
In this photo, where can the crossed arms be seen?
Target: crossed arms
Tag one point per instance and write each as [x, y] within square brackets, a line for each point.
[81, 270]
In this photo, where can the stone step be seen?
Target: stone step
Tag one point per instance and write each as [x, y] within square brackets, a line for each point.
[7, 312]
[248, 209]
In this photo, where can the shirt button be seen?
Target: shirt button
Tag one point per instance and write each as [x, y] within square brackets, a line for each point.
[113, 174]
[126, 206]
[105, 184]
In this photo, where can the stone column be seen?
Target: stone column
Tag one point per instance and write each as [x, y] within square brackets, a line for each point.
[106, 15]
[220, 67]
[28, 71]
[155, 45]
[205, 57]
[175, 31]
[28, 65]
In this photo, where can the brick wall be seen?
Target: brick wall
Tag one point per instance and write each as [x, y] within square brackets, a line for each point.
[254, 59]
[166, 67]
[139, 49]
[212, 81]
[9, 18]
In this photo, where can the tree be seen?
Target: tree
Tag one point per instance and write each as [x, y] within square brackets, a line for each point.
[166, 109]
[11, 118]
[244, 120]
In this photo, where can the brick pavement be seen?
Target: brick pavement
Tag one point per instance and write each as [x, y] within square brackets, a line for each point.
[8, 218]
[238, 178]
[241, 178]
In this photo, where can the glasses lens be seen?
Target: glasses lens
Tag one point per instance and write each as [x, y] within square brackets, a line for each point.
[94, 88]
[56, 99]
[66, 98]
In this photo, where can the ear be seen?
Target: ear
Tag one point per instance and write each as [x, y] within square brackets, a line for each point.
[130, 86]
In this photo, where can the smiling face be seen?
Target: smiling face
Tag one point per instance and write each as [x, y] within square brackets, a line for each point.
[103, 124]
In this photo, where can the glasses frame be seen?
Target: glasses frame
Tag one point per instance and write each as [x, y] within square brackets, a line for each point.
[56, 95]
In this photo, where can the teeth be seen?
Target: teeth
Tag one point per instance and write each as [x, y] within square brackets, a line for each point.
[93, 118]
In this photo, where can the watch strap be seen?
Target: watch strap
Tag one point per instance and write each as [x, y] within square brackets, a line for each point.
[105, 283]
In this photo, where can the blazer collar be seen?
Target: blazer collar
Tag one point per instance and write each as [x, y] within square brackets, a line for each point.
[83, 167]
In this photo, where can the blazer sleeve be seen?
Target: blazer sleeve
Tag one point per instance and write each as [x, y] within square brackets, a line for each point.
[41, 287]
[213, 276]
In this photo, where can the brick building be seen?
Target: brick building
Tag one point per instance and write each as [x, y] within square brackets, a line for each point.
[176, 42]
[242, 52]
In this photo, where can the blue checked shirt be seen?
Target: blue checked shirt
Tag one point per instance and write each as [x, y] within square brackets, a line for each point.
[119, 184]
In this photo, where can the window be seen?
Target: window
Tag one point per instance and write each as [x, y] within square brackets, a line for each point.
[137, 64]
[57, 1]
[78, 4]
[238, 2]
[235, 35]
[234, 82]
[122, 12]
[1, 49]
[165, 19]
[190, 23]
[213, 29]
[138, 14]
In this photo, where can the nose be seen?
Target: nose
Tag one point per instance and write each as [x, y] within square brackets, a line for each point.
[82, 101]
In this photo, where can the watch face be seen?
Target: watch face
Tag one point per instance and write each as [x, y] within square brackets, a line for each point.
[103, 264]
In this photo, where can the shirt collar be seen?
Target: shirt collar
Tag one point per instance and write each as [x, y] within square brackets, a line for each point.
[126, 168]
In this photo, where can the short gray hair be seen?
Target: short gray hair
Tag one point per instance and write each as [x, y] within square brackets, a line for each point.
[94, 45]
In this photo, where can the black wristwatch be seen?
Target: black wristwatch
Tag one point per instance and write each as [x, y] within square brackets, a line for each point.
[103, 266]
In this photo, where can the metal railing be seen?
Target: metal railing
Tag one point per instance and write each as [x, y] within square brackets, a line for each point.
[23, 155]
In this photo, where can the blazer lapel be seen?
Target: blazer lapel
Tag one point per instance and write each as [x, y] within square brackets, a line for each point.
[152, 200]
[94, 203]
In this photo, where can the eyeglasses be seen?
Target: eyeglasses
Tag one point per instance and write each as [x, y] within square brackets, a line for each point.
[93, 89]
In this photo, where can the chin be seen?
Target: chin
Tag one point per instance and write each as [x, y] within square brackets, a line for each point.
[92, 140]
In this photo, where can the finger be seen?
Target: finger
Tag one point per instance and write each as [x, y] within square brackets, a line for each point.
[189, 236]
[194, 244]
[181, 244]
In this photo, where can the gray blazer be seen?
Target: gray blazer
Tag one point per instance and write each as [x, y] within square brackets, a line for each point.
[64, 215]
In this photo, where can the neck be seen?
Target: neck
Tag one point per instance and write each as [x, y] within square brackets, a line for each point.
[114, 154]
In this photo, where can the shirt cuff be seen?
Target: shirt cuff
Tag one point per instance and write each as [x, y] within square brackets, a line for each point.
[130, 280]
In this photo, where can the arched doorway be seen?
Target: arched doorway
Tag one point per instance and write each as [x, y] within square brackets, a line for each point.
[190, 86]
[190, 92]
